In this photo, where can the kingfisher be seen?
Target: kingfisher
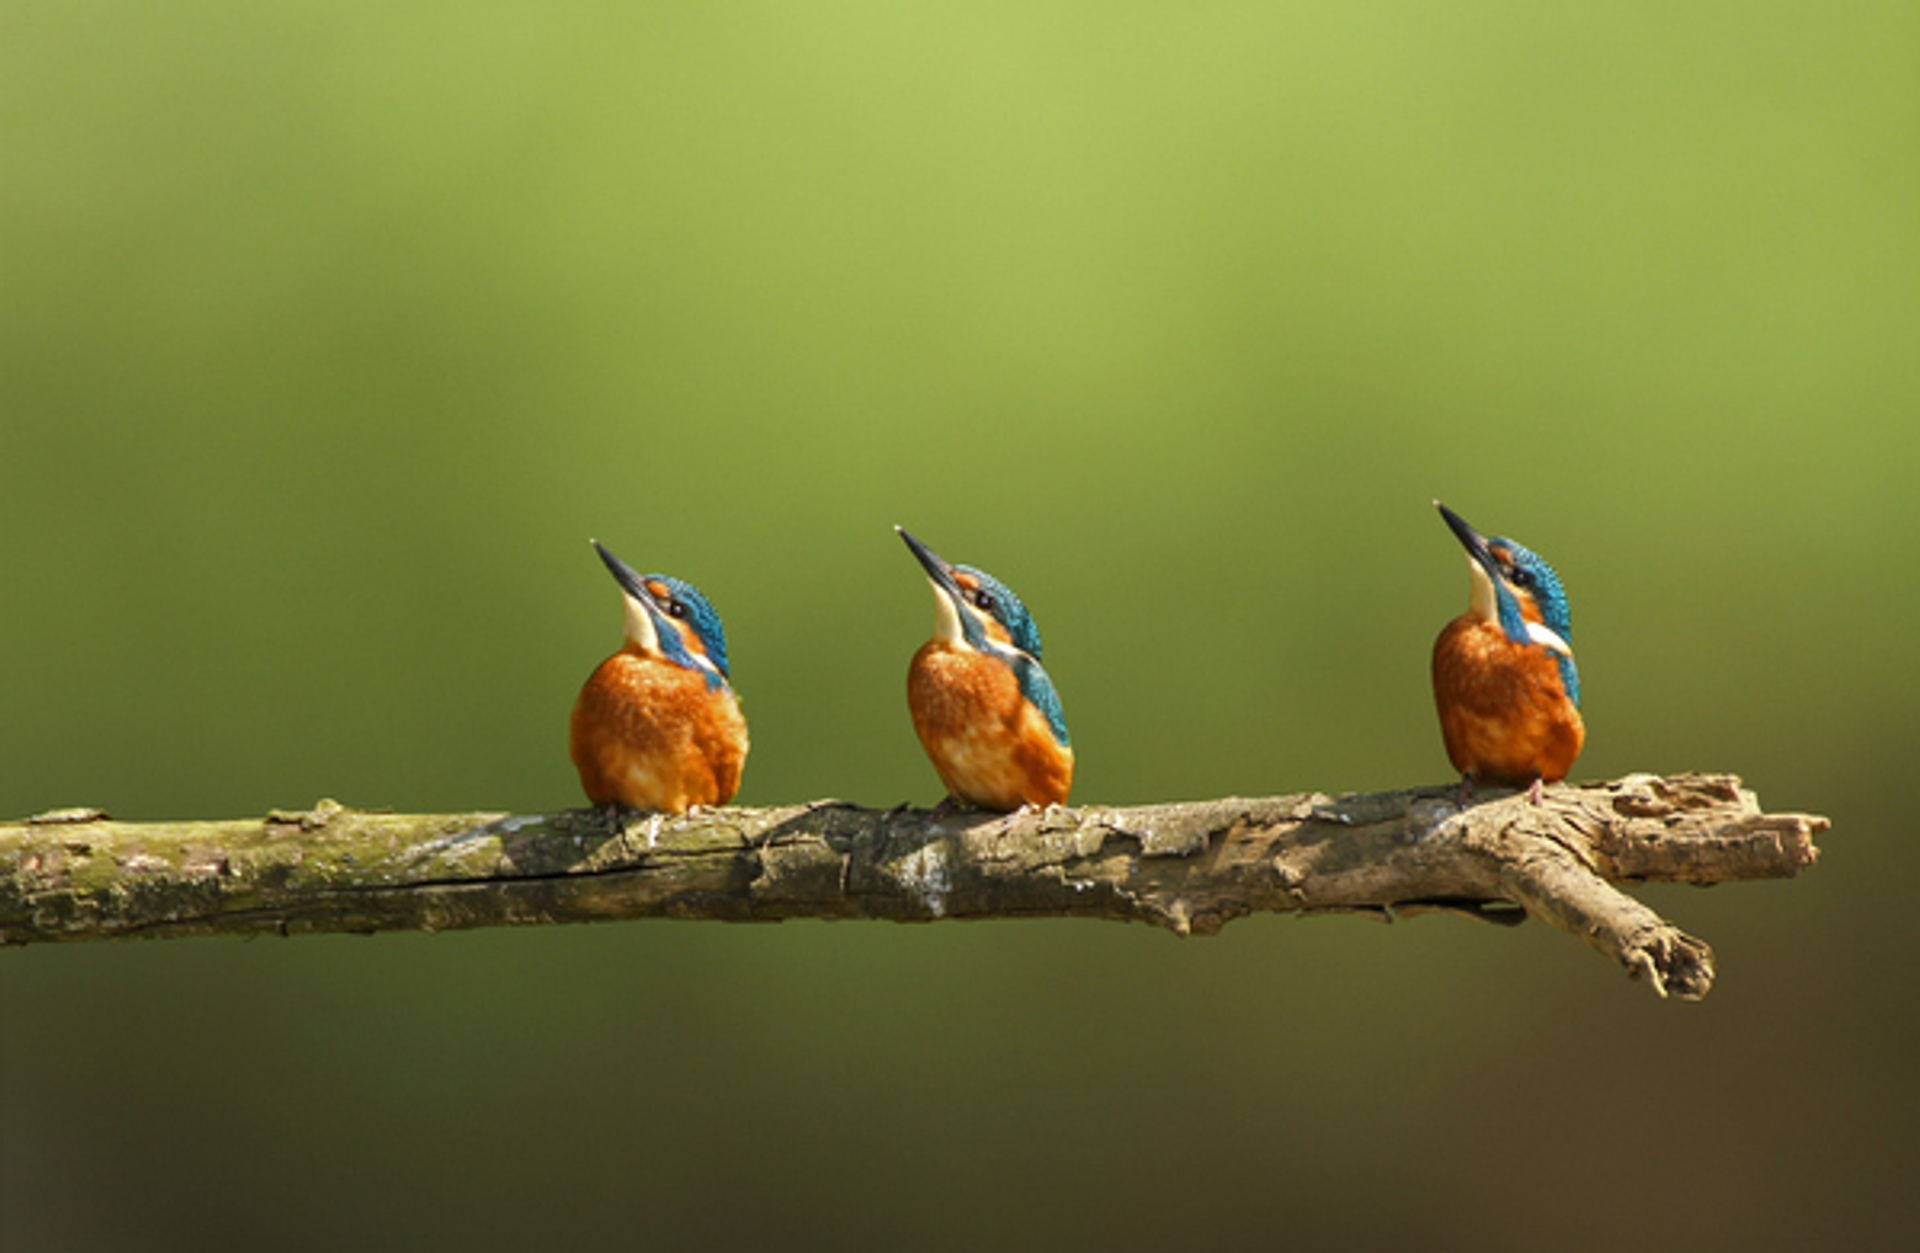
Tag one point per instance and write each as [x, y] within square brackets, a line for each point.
[657, 727]
[985, 710]
[1503, 672]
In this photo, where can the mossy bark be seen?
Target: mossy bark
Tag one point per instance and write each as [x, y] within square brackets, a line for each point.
[1190, 867]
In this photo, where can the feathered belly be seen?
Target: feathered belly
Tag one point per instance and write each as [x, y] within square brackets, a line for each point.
[1504, 712]
[990, 746]
[650, 735]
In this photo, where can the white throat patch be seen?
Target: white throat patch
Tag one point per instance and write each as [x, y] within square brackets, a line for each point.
[1480, 599]
[640, 629]
[946, 618]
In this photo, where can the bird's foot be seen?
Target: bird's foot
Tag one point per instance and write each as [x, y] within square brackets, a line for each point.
[1537, 792]
[610, 814]
[947, 806]
[1466, 790]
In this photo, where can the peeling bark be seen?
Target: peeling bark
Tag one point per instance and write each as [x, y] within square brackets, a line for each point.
[74, 874]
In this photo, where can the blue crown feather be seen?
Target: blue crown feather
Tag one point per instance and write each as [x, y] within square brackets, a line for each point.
[704, 620]
[1532, 573]
[1008, 611]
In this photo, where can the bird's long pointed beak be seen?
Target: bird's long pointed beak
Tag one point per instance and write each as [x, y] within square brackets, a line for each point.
[949, 598]
[1488, 588]
[643, 613]
[1485, 595]
[939, 571]
[1490, 597]
[1470, 539]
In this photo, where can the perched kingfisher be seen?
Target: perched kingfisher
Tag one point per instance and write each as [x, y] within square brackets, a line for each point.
[656, 726]
[986, 712]
[1503, 673]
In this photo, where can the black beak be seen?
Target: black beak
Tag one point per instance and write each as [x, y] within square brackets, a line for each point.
[1470, 539]
[623, 574]
[939, 571]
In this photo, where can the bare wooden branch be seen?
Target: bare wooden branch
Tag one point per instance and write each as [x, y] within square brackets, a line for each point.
[1190, 867]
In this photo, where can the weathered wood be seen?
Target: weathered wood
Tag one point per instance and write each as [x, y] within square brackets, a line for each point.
[1189, 867]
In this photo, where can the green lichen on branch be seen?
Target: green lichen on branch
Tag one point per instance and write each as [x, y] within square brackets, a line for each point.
[1190, 867]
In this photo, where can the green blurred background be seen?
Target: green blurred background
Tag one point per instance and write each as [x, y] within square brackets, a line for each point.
[330, 332]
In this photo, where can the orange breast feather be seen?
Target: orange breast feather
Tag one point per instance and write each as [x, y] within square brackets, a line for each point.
[651, 735]
[991, 748]
[1504, 711]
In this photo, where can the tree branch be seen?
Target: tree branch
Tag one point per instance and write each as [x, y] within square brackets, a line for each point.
[1190, 867]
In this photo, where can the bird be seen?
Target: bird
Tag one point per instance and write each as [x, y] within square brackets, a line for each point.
[1504, 680]
[983, 706]
[657, 726]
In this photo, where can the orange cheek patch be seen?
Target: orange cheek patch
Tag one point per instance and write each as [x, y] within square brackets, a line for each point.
[689, 638]
[1528, 609]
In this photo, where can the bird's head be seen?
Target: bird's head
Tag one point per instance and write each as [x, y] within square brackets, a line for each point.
[975, 610]
[1514, 586]
[669, 618]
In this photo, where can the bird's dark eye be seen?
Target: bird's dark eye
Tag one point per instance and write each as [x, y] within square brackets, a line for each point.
[984, 600]
[1522, 576]
[676, 609]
